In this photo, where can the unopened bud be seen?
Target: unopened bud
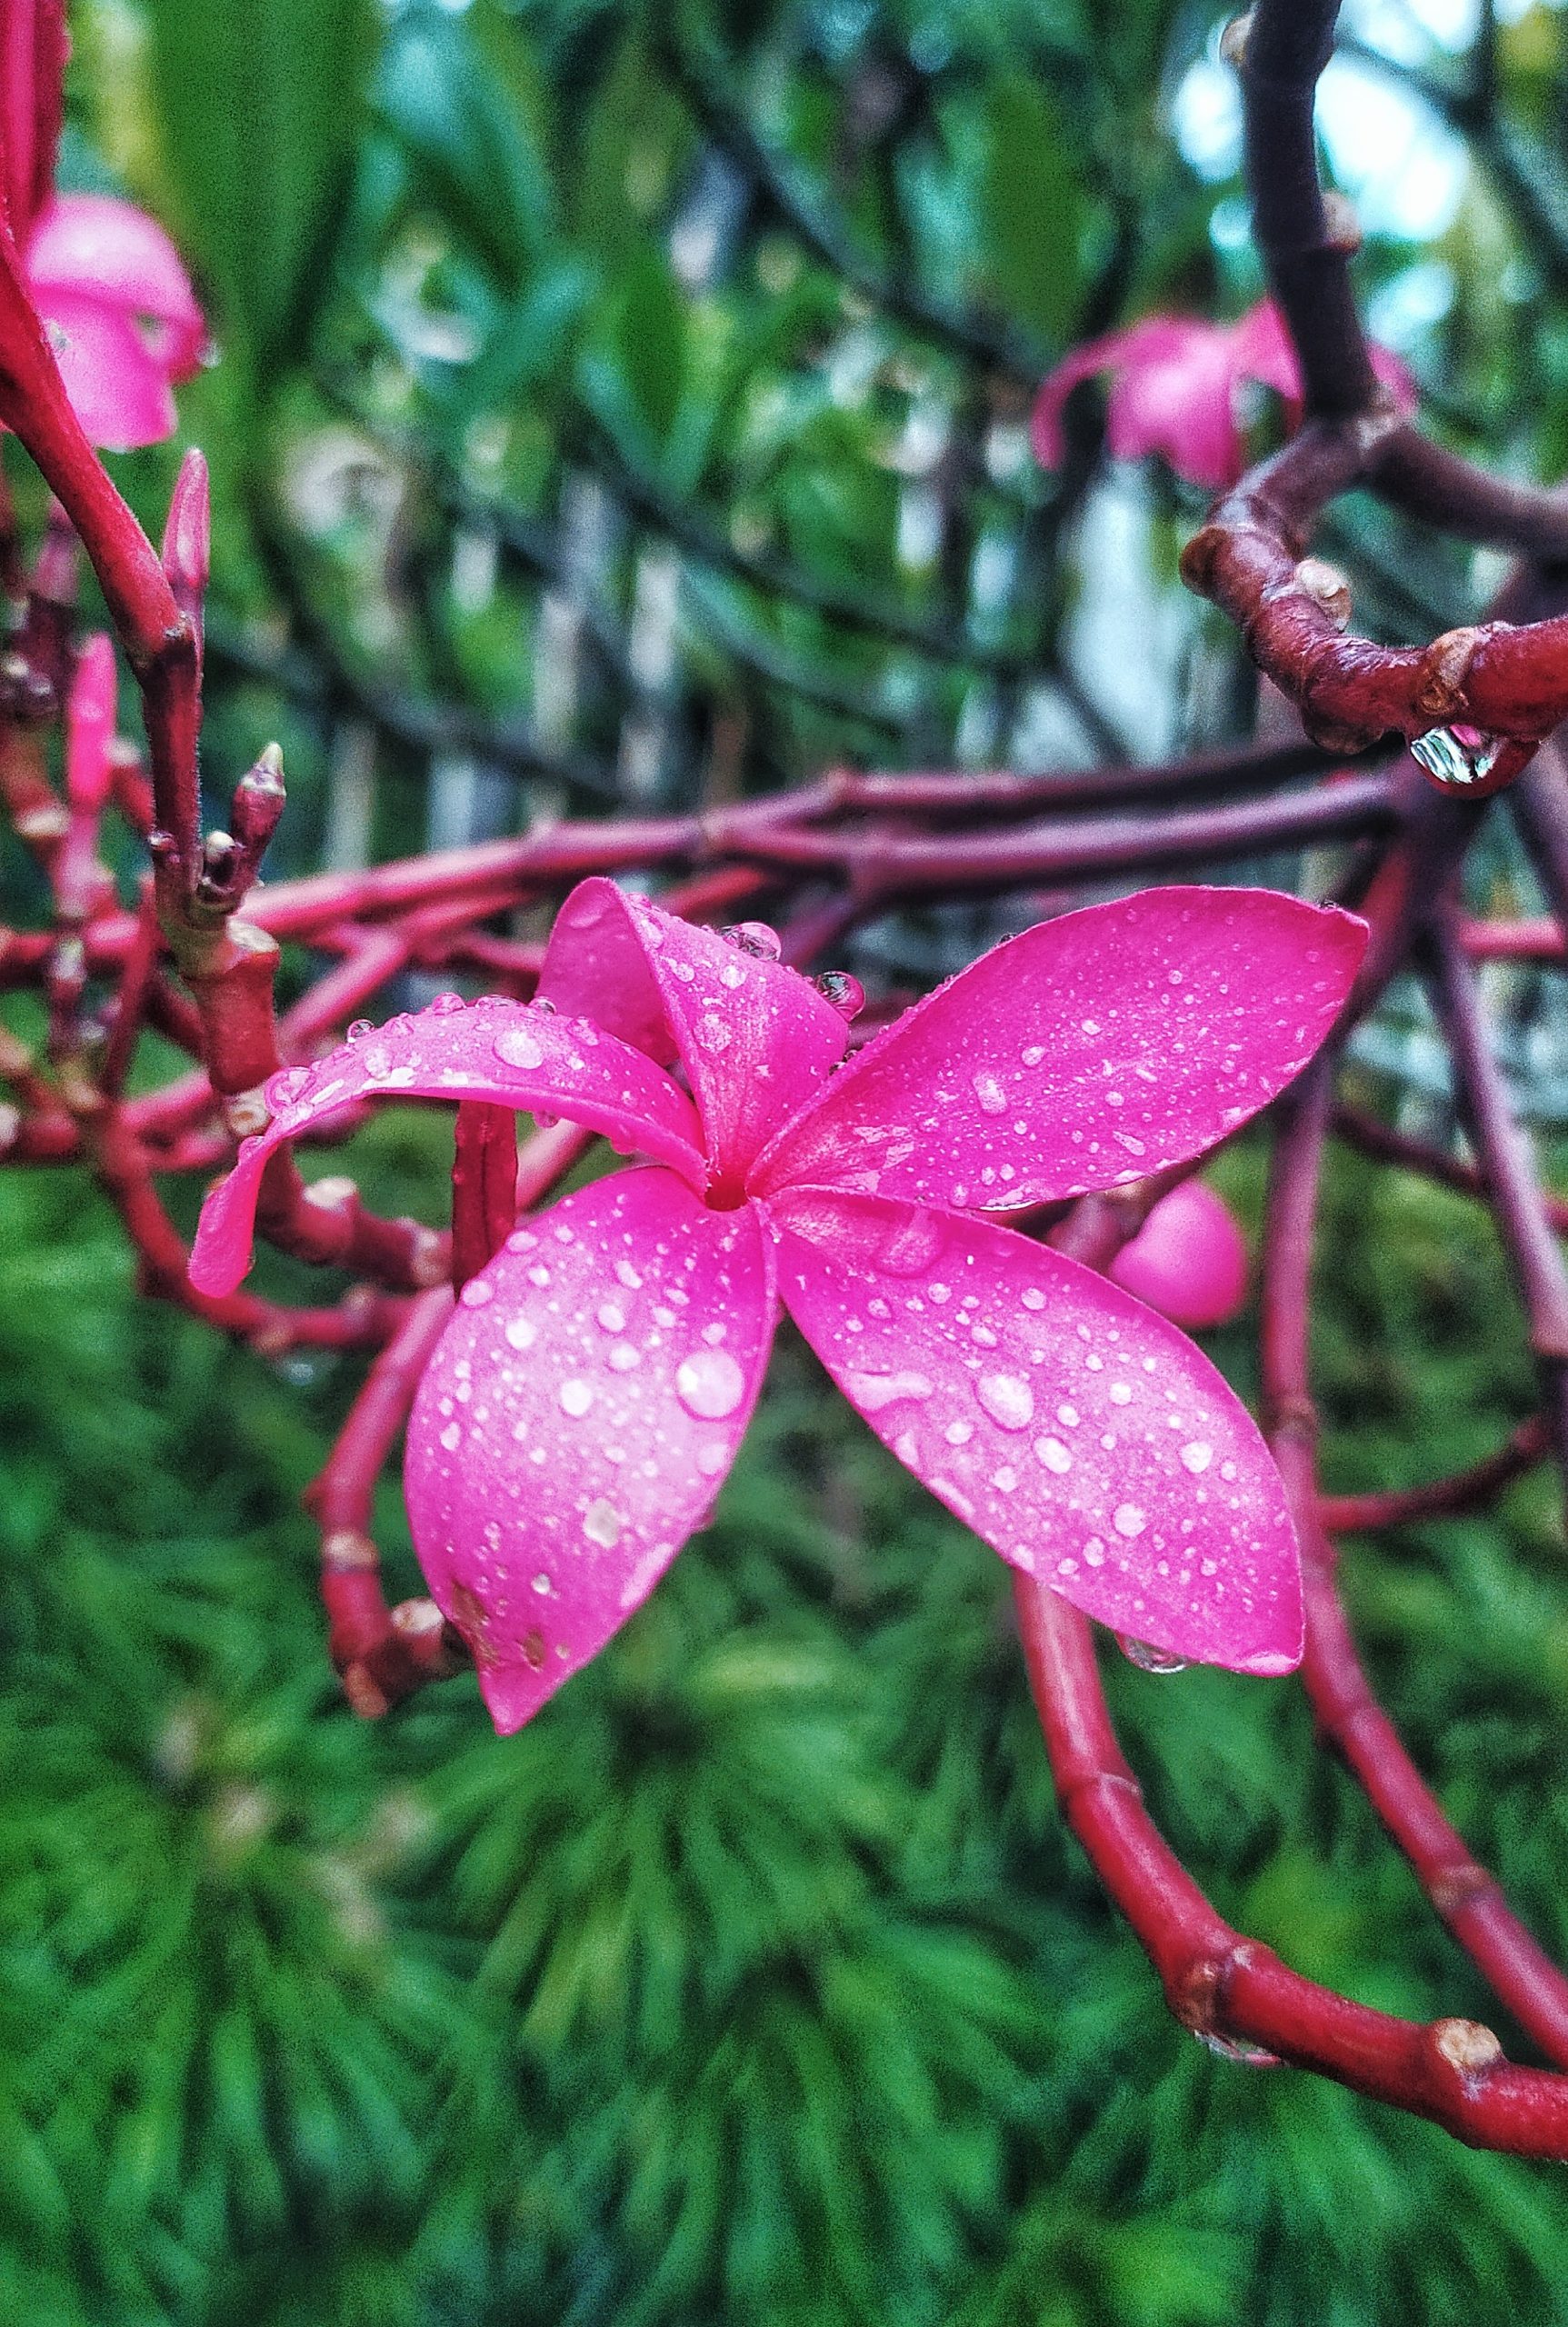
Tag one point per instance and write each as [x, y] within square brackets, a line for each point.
[258, 803]
[187, 535]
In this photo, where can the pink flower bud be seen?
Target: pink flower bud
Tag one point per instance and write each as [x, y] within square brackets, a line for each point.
[1188, 1260]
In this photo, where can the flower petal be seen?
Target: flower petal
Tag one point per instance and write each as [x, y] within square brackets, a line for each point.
[1180, 405]
[1085, 1438]
[1156, 339]
[92, 245]
[491, 1049]
[1188, 1261]
[118, 390]
[577, 1418]
[755, 1038]
[1089, 1051]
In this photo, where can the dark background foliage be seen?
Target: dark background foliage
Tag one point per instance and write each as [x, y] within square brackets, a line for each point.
[623, 406]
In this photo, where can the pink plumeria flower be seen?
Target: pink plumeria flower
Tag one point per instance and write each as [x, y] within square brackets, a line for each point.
[1188, 1261]
[1177, 390]
[107, 280]
[590, 1392]
[121, 316]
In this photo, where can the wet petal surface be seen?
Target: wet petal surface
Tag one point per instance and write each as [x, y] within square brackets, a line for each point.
[1089, 1051]
[492, 1049]
[578, 1418]
[1085, 1438]
[755, 1038]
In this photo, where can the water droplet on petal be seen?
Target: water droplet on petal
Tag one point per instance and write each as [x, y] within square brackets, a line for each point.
[451, 1437]
[845, 991]
[1197, 1455]
[520, 1333]
[446, 1006]
[577, 1397]
[709, 1384]
[714, 1032]
[611, 1316]
[1148, 1659]
[1128, 1520]
[358, 1028]
[872, 1391]
[476, 1292]
[516, 1046]
[753, 937]
[1007, 1399]
[1054, 1455]
[282, 1090]
[990, 1094]
[602, 1524]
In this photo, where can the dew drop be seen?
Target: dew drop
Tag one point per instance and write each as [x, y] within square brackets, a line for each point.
[1197, 1455]
[516, 1046]
[1148, 1659]
[624, 1357]
[990, 1094]
[714, 1032]
[1128, 1520]
[1032, 1297]
[627, 1276]
[577, 1397]
[1054, 1455]
[959, 1433]
[451, 1437]
[711, 1458]
[476, 1292]
[542, 1585]
[709, 1384]
[611, 1316]
[1007, 1399]
[282, 1090]
[358, 1028]
[871, 1391]
[845, 991]
[1094, 1552]
[753, 937]
[1121, 1393]
[602, 1524]
[446, 1006]
[1456, 757]
[1033, 1054]
[521, 1333]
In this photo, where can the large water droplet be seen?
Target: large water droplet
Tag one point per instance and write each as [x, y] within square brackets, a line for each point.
[358, 1028]
[1197, 1455]
[753, 937]
[871, 1391]
[577, 1397]
[709, 1384]
[446, 1006]
[476, 1292]
[1455, 758]
[1054, 1455]
[602, 1524]
[990, 1094]
[1128, 1520]
[714, 1033]
[1007, 1399]
[844, 991]
[520, 1333]
[1148, 1659]
[516, 1046]
[912, 1243]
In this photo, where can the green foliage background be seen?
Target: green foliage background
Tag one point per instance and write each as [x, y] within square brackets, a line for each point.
[756, 1980]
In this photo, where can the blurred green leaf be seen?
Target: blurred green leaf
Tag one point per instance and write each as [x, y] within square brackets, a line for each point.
[260, 107]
